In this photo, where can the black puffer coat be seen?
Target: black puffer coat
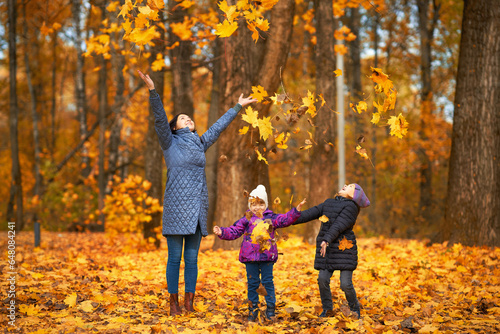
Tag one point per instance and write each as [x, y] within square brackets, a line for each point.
[342, 213]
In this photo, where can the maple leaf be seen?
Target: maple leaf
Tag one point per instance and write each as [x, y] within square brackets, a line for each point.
[229, 11]
[259, 93]
[71, 300]
[186, 4]
[281, 140]
[361, 151]
[159, 63]
[226, 28]
[262, 24]
[399, 126]
[323, 219]
[125, 8]
[44, 30]
[244, 130]
[265, 127]
[113, 6]
[340, 49]
[260, 157]
[361, 107]
[309, 103]
[345, 244]
[250, 116]
[375, 118]
[337, 72]
[86, 306]
[350, 37]
[183, 29]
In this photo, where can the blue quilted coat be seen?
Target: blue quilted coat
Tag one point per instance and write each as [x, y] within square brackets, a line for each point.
[185, 202]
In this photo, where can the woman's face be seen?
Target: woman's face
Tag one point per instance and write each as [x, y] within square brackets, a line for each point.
[184, 121]
[347, 190]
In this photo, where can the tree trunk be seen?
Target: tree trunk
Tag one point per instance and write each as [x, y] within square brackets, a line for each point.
[373, 213]
[80, 85]
[118, 62]
[241, 58]
[153, 156]
[473, 202]
[426, 30]
[37, 189]
[16, 187]
[323, 158]
[212, 155]
[180, 59]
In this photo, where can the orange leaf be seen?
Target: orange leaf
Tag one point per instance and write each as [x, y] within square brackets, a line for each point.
[345, 244]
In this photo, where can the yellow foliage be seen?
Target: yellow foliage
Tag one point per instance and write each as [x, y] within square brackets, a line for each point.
[128, 206]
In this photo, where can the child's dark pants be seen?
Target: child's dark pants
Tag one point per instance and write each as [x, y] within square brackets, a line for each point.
[345, 284]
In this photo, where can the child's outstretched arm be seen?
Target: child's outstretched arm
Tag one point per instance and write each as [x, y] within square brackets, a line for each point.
[232, 232]
[287, 219]
[310, 214]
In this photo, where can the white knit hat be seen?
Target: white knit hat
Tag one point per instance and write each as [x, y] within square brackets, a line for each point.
[259, 192]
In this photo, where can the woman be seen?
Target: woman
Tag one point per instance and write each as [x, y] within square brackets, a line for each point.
[185, 202]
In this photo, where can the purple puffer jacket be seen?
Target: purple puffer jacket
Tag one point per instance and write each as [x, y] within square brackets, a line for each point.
[249, 252]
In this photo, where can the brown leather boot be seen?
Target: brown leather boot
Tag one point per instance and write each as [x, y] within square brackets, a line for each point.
[175, 309]
[189, 301]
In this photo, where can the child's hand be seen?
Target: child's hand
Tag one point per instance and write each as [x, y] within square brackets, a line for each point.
[324, 244]
[299, 207]
[217, 230]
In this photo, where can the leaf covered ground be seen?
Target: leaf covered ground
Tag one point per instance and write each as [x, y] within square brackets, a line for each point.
[91, 283]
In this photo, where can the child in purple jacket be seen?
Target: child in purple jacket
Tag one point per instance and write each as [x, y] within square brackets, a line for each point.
[258, 250]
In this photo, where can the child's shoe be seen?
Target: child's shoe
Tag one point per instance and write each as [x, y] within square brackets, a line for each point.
[270, 311]
[326, 313]
[253, 312]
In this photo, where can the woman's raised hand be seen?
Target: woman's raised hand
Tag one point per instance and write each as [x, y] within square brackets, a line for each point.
[147, 80]
[246, 100]
[217, 230]
[299, 206]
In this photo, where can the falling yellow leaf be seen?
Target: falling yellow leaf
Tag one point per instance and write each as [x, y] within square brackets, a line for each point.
[265, 127]
[243, 130]
[340, 49]
[260, 157]
[324, 219]
[338, 72]
[375, 118]
[399, 126]
[250, 116]
[226, 28]
[259, 93]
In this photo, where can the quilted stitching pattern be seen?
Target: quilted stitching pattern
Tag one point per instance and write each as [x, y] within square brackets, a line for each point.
[185, 201]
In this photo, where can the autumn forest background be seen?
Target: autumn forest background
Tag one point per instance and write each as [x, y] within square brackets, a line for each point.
[420, 95]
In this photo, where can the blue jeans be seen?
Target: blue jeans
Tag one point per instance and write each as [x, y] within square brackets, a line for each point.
[191, 248]
[345, 284]
[257, 272]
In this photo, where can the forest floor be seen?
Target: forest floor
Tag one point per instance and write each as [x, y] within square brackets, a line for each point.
[94, 283]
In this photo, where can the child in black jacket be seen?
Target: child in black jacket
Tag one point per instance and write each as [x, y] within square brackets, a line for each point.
[336, 247]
